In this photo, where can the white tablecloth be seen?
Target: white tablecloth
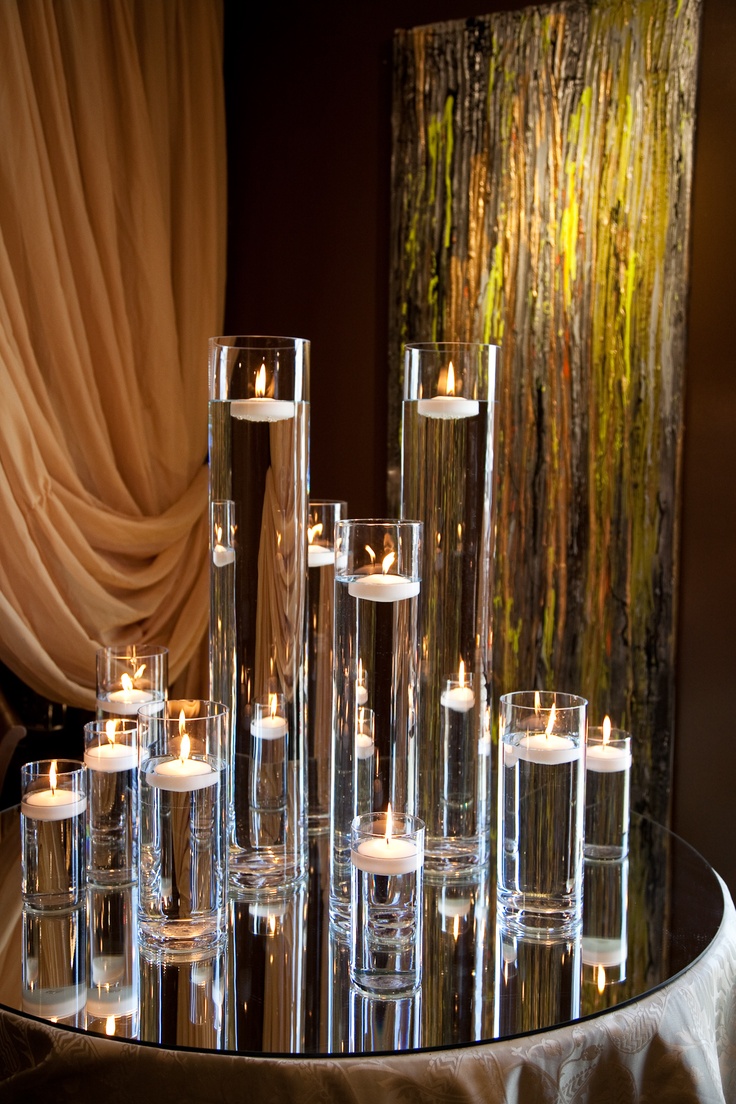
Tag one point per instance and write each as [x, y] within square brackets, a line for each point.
[677, 1044]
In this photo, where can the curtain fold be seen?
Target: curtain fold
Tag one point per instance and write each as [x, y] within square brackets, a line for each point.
[112, 267]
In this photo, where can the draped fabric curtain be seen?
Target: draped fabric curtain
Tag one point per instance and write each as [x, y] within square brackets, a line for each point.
[112, 267]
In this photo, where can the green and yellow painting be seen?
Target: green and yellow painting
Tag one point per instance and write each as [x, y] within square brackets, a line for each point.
[542, 169]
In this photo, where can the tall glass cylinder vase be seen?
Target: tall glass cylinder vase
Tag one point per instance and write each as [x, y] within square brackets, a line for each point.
[447, 483]
[323, 517]
[258, 425]
[374, 712]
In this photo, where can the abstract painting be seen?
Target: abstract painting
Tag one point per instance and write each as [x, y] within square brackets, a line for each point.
[542, 171]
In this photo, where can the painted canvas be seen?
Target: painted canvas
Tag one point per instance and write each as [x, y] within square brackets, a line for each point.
[542, 168]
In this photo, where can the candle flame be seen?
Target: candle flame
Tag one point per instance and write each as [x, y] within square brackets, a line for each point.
[218, 534]
[450, 382]
[314, 531]
[185, 744]
[273, 704]
[127, 682]
[371, 553]
[389, 824]
[462, 672]
[601, 979]
[110, 730]
[110, 1025]
[387, 561]
[606, 729]
[551, 721]
[52, 776]
[537, 703]
[261, 381]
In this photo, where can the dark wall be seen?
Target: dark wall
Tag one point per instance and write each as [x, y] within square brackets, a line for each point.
[309, 93]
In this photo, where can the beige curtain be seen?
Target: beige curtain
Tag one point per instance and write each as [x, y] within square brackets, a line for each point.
[112, 262]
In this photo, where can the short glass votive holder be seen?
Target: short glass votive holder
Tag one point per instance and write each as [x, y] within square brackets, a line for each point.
[183, 844]
[387, 855]
[111, 758]
[53, 825]
[607, 790]
[540, 811]
[130, 676]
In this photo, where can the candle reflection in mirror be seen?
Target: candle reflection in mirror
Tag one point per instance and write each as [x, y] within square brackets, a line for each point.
[378, 1024]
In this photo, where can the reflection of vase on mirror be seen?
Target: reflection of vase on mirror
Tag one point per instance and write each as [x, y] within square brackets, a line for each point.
[605, 932]
[458, 960]
[267, 973]
[537, 981]
[183, 999]
[55, 965]
[112, 973]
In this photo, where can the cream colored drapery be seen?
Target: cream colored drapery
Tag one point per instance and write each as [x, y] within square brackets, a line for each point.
[112, 259]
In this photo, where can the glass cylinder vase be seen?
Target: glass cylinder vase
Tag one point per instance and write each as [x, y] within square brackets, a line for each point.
[447, 483]
[374, 715]
[182, 834]
[258, 436]
[323, 517]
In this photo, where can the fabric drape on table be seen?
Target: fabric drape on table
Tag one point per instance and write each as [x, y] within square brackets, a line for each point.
[112, 265]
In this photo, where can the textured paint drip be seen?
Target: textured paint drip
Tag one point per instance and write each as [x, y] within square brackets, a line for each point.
[542, 177]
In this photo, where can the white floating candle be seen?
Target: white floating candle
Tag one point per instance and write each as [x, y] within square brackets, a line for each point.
[319, 555]
[447, 407]
[181, 775]
[262, 410]
[383, 588]
[364, 746]
[450, 405]
[222, 556]
[550, 749]
[458, 696]
[379, 855]
[607, 756]
[53, 804]
[126, 701]
[110, 757]
[272, 727]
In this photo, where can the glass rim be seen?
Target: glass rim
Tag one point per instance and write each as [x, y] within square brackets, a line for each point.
[561, 699]
[257, 341]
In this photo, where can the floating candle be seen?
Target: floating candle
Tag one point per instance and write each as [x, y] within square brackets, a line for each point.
[382, 586]
[182, 774]
[261, 408]
[449, 405]
[458, 696]
[386, 854]
[269, 727]
[53, 804]
[608, 755]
